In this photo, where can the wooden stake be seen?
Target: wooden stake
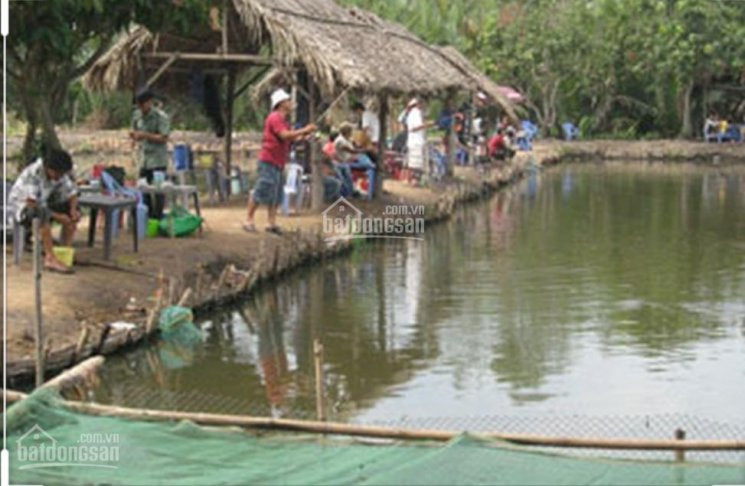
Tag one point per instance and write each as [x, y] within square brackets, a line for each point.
[184, 297]
[198, 284]
[171, 291]
[680, 455]
[38, 329]
[318, 357]
[81, 341]
[152, 318]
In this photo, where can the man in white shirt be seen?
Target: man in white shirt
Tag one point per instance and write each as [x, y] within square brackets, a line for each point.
[416, 143]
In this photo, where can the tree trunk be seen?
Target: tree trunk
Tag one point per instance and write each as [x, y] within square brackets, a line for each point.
[46, 117]
[686, 130]
[29, 142]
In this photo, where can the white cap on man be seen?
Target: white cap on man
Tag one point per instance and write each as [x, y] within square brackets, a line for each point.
[279, 96]
[412, 102]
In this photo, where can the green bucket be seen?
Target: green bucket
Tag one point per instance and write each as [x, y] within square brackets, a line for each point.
[153, 225]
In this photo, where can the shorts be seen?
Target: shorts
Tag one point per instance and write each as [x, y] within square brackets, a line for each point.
[43, 213]
[269, 187]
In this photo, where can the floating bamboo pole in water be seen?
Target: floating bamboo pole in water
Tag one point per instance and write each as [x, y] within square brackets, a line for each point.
[211, 419]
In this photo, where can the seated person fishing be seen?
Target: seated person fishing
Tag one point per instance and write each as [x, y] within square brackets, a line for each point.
[45, 190]
[350, 157]
[332, 183]
[499, 147]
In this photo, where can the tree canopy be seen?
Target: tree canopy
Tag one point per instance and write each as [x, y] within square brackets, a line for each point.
[54, 42]
[620, 67]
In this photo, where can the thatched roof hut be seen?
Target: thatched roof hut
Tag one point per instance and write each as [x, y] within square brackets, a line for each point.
[340, 48]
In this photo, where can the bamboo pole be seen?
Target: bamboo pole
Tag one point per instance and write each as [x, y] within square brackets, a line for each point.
[211, 419]
[318, 359]
[39, 321]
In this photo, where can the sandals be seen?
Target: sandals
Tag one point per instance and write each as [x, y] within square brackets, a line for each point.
[251, 228]
[56, 269]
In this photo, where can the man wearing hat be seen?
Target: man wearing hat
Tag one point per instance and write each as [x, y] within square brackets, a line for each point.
[46, 191]
[150, 128]
[275, 150]
[416, 143]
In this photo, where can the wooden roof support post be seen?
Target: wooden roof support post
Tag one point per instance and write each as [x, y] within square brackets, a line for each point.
[472, 153]
[315, 156]
[451, 137]
[382, 143]
[229, 101]
[225, 26]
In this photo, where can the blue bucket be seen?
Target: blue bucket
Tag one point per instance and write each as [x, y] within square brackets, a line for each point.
[141, 221]
[181, 159]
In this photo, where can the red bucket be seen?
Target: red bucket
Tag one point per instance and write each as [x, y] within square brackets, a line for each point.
[98, 170]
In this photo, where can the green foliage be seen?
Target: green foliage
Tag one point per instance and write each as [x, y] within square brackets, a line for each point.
[627, 67]
[52, 43]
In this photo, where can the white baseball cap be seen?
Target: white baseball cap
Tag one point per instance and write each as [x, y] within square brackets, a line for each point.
[279, 96]
[412, 102]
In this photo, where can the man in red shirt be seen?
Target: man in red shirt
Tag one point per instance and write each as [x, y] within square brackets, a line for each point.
[275, 150]
[499, 148]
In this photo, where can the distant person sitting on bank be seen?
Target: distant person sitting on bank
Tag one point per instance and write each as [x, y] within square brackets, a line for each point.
[499, 147]
[369, 125]
[332, 183]
[351, 157]
[45, 190]
[151, 128]
[711, 125]
[275, 151]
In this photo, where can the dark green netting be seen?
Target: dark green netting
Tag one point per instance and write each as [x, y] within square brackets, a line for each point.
[150, 453]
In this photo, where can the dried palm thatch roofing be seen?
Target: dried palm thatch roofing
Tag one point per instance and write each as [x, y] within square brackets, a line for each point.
[341, 48]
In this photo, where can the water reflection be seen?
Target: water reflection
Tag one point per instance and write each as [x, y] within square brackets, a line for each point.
[598, 289]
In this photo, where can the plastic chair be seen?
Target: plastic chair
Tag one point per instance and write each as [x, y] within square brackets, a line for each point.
[571, 132]
[530, 129]
[294, 186]
[116, 189]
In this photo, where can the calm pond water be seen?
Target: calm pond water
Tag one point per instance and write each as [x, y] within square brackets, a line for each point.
[601, 289]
